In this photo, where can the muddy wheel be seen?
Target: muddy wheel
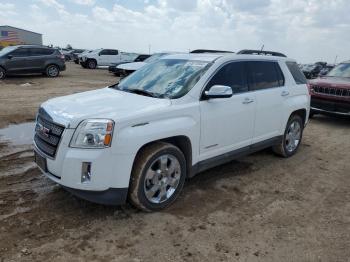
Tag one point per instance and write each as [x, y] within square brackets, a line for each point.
[158, 176]
[292, 137]
[2, 73]
[52, 71]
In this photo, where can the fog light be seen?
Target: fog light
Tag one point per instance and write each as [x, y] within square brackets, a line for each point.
[86, 172]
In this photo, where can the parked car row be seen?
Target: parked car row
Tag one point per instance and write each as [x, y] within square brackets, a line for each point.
[315, 70]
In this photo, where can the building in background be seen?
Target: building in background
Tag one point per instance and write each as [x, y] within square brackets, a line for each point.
[15, 36]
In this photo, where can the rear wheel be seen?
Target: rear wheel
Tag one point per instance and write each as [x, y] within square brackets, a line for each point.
[291, 138]
[2, 73]
[52, 71]
[158, 176]
[91, 64]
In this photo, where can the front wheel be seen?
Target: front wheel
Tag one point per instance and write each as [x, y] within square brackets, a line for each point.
[52, 71]
[91, 64]
[291, 138]
[158, 176]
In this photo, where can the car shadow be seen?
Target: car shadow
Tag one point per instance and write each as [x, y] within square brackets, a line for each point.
[334, 120]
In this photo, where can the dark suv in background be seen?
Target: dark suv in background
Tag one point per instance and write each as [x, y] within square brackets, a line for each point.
[331, 94]
[27, 59]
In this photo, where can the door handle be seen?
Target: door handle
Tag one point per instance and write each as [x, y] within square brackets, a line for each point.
[285, 93]
[247, 100]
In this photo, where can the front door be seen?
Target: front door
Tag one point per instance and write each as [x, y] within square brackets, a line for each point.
[17, 61]
[227, 124]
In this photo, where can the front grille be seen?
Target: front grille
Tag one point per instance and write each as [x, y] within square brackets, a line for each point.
[331, 91]
[47, 135]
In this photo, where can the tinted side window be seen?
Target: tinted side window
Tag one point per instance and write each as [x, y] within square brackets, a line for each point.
[232, 75]
[104, 52]
[41, 51]
[298, 76]
[21, 52]
[263, 75]
[113, 52]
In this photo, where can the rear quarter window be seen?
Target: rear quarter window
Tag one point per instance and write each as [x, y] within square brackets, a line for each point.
[264, 75]
[298, 76]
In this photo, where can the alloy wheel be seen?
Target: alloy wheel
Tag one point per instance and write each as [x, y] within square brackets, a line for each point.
[293, 136]
[162, 178]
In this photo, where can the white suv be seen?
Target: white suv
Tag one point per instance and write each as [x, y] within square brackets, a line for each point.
[104, 57]
[140, 139]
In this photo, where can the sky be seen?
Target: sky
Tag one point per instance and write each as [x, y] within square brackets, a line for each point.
[306, 30]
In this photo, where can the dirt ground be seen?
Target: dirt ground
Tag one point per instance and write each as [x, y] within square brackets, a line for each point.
[259, 208]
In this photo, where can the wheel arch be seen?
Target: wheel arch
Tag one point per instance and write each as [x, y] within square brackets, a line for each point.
[300, 112]
[182, 142]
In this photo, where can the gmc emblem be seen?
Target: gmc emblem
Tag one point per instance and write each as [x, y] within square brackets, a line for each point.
[43, 130]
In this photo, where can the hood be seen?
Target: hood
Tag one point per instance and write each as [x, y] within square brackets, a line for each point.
[131, 66]
[102, 103]
[335, 82]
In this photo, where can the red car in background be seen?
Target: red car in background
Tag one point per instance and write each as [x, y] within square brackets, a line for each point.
[331, 94]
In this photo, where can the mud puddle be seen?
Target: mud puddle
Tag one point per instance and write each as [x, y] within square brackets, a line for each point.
[17, 135]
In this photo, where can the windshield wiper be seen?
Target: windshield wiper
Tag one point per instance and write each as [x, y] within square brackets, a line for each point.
[142, 92]
[115, 86]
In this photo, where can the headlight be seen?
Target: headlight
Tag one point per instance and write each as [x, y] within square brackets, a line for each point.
[93, 133]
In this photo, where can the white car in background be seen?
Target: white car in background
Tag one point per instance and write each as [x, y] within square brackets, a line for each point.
[124, 70]
[104, 57]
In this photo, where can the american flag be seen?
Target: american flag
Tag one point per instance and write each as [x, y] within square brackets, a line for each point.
[9, 36]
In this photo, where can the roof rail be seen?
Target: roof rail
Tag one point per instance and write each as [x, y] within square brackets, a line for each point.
[260, 52]
[201, 51]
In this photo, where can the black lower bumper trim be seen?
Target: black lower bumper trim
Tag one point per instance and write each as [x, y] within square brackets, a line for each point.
[112, 196]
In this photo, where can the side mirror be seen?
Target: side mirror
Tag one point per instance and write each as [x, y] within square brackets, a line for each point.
[9, 56]
[218, 91]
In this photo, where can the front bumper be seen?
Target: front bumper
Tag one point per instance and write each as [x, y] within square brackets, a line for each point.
[110, 171]
[328, 106]
[111, 196]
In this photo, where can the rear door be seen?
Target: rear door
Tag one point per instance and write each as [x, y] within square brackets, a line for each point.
[113, 56]
[38, 57]
[266, 81]
[227, 124]
[18, 61]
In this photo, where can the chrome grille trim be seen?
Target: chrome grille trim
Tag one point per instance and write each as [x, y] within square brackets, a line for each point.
[47, 135]
[331, 91]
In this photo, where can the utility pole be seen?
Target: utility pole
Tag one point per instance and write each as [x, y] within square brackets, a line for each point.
[335, 60]
[149, 49]
[262, 48]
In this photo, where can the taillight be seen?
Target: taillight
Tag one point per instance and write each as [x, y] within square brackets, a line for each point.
[62, 57]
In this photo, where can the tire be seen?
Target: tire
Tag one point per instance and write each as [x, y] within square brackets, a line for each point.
[91, 64]
[292, 137]
[52, 71]
[152, 186]
[2, 73]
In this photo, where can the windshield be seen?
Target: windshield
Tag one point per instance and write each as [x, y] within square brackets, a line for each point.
[154, 57]
[7, 50]
[171, 78]
[342, 70]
